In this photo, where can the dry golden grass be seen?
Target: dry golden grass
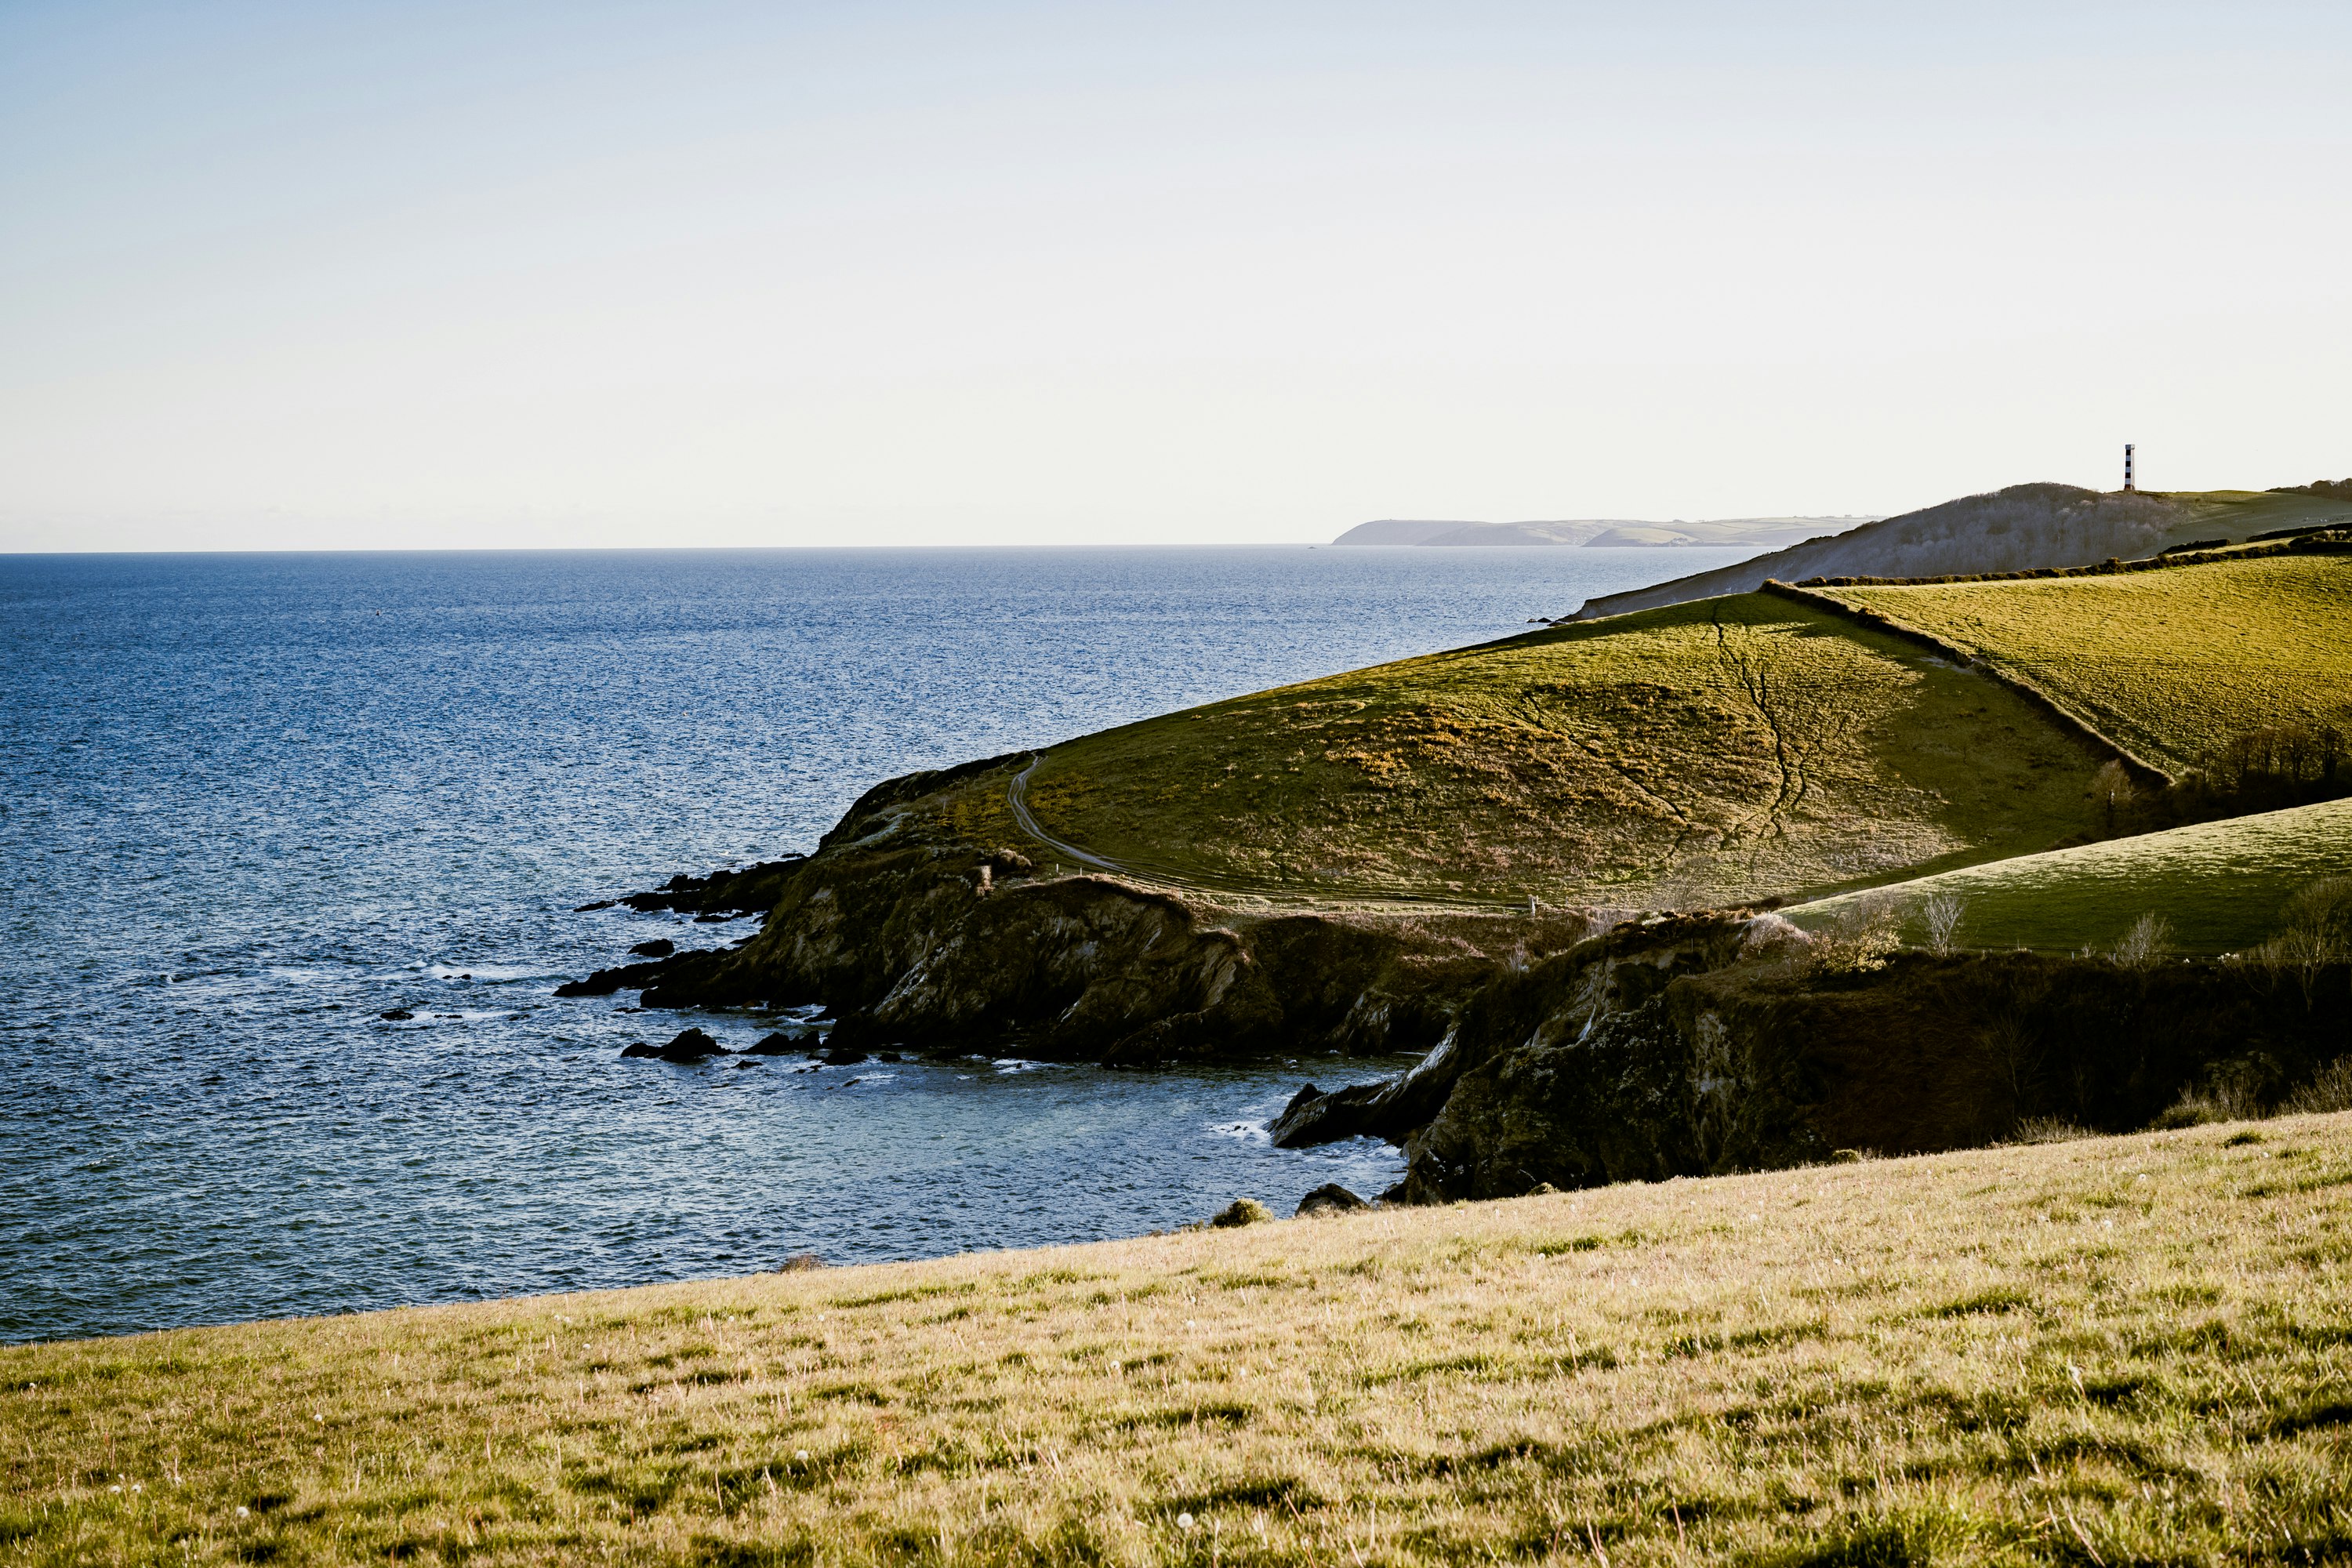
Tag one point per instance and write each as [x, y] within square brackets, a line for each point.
[2103, 1352]
[1734, 749]
[2172, 664]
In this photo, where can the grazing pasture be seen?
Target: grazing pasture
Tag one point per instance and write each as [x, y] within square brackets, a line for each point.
[2218, 887]
[2173, 664]
[1730, 750]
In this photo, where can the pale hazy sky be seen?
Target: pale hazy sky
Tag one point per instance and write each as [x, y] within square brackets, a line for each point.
[414, 274]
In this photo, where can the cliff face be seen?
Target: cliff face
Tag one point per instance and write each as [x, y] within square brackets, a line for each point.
[913, 934]
[1767, 1062]
[1558, 1048]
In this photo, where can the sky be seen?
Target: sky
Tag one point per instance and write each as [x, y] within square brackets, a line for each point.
[490, 274]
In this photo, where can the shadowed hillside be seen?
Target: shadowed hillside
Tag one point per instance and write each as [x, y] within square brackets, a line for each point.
[2019, 529]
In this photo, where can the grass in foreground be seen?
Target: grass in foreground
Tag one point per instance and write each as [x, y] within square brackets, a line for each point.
[2172, 664]
[2097, 1351]
[2218, 887]
[1733, 749]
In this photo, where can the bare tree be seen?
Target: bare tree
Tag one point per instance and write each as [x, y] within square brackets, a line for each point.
[1941, 915]
[2149, 939]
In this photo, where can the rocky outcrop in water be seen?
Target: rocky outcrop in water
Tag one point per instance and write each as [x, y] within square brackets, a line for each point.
[724, 895]
[686, 1045]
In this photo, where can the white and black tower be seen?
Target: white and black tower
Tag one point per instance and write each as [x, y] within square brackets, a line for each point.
[2128, 483]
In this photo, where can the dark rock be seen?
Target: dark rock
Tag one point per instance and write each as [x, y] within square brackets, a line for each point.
[749, 891]
[1328, 1199]
[1765, 1063]
[660, 947]
[843, 1057]
[649, 977]
[1314, 1117]
[686, 1045]
[885, 1056]
[776, 1044]
[396, 1015]
[599, 904]
[639, 1048]
[690, 1045]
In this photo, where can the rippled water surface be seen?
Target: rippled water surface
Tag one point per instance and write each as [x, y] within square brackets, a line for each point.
[252, 802]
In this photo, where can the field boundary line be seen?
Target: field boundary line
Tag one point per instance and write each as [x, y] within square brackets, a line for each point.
[2323, 539]
[2142, 771]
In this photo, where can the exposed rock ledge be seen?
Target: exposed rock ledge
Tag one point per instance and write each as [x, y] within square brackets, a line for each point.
[915, 935]
[1561, 1048]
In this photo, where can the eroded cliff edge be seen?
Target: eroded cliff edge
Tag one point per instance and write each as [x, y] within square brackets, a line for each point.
[1567, 1047]
[917, 927]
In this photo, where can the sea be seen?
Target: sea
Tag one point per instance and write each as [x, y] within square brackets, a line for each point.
[251, 802]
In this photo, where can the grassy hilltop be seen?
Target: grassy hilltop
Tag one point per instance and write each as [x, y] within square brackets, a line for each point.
[2099, 1352]
[1738, 748]
[2019, 529]
[1727, 749]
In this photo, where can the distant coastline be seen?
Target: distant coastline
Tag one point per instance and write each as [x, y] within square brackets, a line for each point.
[1601, 533]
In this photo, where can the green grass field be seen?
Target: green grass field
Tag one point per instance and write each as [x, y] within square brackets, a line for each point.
[2115, 1351]
[2172, 664]
[1733, 749]
[2236, 514]
[2217, 885]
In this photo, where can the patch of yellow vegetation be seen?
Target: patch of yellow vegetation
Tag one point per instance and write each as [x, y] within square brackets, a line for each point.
[2115, 1350]
[2172, 664]
[1729, 750]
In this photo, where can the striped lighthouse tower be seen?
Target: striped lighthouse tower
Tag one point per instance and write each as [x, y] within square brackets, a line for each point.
[2127, 467]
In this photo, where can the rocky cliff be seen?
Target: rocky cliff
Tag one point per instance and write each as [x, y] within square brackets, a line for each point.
[1566, 1048]
[1633, 1056]
[915, 934]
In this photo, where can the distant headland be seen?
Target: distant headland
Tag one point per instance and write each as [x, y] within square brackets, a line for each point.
[1601, 533]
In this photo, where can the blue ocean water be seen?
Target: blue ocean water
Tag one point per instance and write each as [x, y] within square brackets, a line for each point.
[249, 803]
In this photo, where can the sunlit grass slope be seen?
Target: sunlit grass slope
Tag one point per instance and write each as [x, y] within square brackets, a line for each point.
[2218, 886]
[2173, 663]
[2238, 515]
[2120, 1351]
[1732, 749]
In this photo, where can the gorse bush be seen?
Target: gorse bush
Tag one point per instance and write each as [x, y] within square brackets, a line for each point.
[1863, 940]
